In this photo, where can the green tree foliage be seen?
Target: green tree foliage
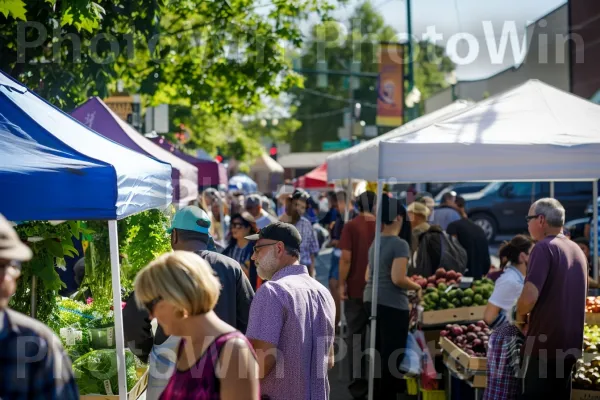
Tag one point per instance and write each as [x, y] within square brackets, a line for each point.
[321, 110]
[217, 58]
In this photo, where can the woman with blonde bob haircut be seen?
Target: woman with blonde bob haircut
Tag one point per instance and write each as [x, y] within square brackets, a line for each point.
[214, 360]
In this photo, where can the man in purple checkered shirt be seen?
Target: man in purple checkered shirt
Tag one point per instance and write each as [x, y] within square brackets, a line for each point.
[291, 322]
[503, 363]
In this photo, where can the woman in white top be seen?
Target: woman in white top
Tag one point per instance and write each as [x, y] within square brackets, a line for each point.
[514, 256]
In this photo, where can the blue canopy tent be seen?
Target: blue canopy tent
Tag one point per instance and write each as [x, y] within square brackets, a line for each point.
[243, 183]
[55, 168]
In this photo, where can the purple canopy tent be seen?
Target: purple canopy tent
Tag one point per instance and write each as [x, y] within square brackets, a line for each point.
[210, 173]
[95, 114]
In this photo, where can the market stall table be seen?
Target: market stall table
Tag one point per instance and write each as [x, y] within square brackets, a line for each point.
[547, 134]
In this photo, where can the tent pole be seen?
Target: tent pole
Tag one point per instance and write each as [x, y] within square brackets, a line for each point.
[552, 189]
[33, 296]
[118, 312]
[594, 227]
[343, 322]
[348, 200]
[222, 217]
[375, 280]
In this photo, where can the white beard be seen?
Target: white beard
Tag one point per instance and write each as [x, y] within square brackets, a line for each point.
[267, 267]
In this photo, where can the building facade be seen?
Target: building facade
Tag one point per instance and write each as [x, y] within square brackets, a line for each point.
[584, 20]
[546, 59]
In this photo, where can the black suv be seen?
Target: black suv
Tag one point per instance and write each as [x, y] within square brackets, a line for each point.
[501, 207]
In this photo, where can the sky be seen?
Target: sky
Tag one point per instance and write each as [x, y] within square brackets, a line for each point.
[450, 17]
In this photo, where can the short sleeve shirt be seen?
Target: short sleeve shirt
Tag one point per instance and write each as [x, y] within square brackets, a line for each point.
[507, 290]
[296, 314]
[389, 294]
[310, 244]
[357, 237]
[558, 269]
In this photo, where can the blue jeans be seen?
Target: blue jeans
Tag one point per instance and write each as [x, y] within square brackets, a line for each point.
[334, 270]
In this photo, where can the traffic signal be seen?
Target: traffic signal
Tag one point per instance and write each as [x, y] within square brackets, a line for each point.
[273, 151]
[219, 156]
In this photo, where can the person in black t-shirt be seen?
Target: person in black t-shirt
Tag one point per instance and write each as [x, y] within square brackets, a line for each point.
[472, 238]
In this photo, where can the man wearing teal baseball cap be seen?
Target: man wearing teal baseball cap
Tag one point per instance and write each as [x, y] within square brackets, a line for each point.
[189, 232]
[191, 225]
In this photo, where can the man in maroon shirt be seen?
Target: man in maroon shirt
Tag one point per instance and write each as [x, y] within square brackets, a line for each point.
[554, 298]
[357, 236]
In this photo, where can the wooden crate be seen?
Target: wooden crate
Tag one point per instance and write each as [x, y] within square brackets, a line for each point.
[453, 316]
[577, 394]
[592, 318]
[462, 358]
[134, 394]
[476, 380]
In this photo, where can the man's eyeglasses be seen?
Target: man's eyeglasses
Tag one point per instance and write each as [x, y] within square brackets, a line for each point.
[256, 248]
[530, 217]
[151, 304]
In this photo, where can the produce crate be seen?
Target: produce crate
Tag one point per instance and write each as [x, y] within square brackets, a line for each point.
[577, 394]
[592, 318]
[134, 394]
[453, 315]
[461, 357]
[475, 379]
[412, 387]
[433, 394]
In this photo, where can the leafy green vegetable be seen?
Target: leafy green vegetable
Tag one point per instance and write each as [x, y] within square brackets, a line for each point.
[54, 243]
[97, 370]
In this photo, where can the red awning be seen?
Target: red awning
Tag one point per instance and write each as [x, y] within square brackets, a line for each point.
[315, 179]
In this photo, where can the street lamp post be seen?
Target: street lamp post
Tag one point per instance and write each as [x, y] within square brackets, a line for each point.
[411, 72]
[451, 80]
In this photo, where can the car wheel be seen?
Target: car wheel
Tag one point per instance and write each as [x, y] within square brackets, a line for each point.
[486, 223]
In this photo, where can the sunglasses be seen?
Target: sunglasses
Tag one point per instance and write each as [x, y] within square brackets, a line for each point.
[530, 217]
[152, 303]
[12, 267]
[256, 248]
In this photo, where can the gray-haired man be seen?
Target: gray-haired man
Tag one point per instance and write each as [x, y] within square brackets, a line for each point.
[554, 298]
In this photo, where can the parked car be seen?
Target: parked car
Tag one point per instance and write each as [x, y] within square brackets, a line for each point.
[577, 227]
[589, 210]
[461, 189]
[501, 207]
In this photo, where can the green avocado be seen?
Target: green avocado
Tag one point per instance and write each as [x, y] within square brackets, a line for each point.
[469, 293]
[467, 301]
[478, 299]
[456, 301]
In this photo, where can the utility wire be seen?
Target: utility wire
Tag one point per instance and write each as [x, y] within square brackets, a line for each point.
[321, 115]
[333, 97]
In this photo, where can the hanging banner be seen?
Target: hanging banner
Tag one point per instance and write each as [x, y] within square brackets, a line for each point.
[390, 85]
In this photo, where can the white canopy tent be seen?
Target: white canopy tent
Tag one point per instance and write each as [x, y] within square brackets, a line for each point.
[533, 132]
[360, 161]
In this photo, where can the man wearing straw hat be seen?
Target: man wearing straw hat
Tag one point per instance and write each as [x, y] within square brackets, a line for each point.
[33, 363]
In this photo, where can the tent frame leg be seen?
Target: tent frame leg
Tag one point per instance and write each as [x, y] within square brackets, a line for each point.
[594, 227]
[118, 312]
[373, 318]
